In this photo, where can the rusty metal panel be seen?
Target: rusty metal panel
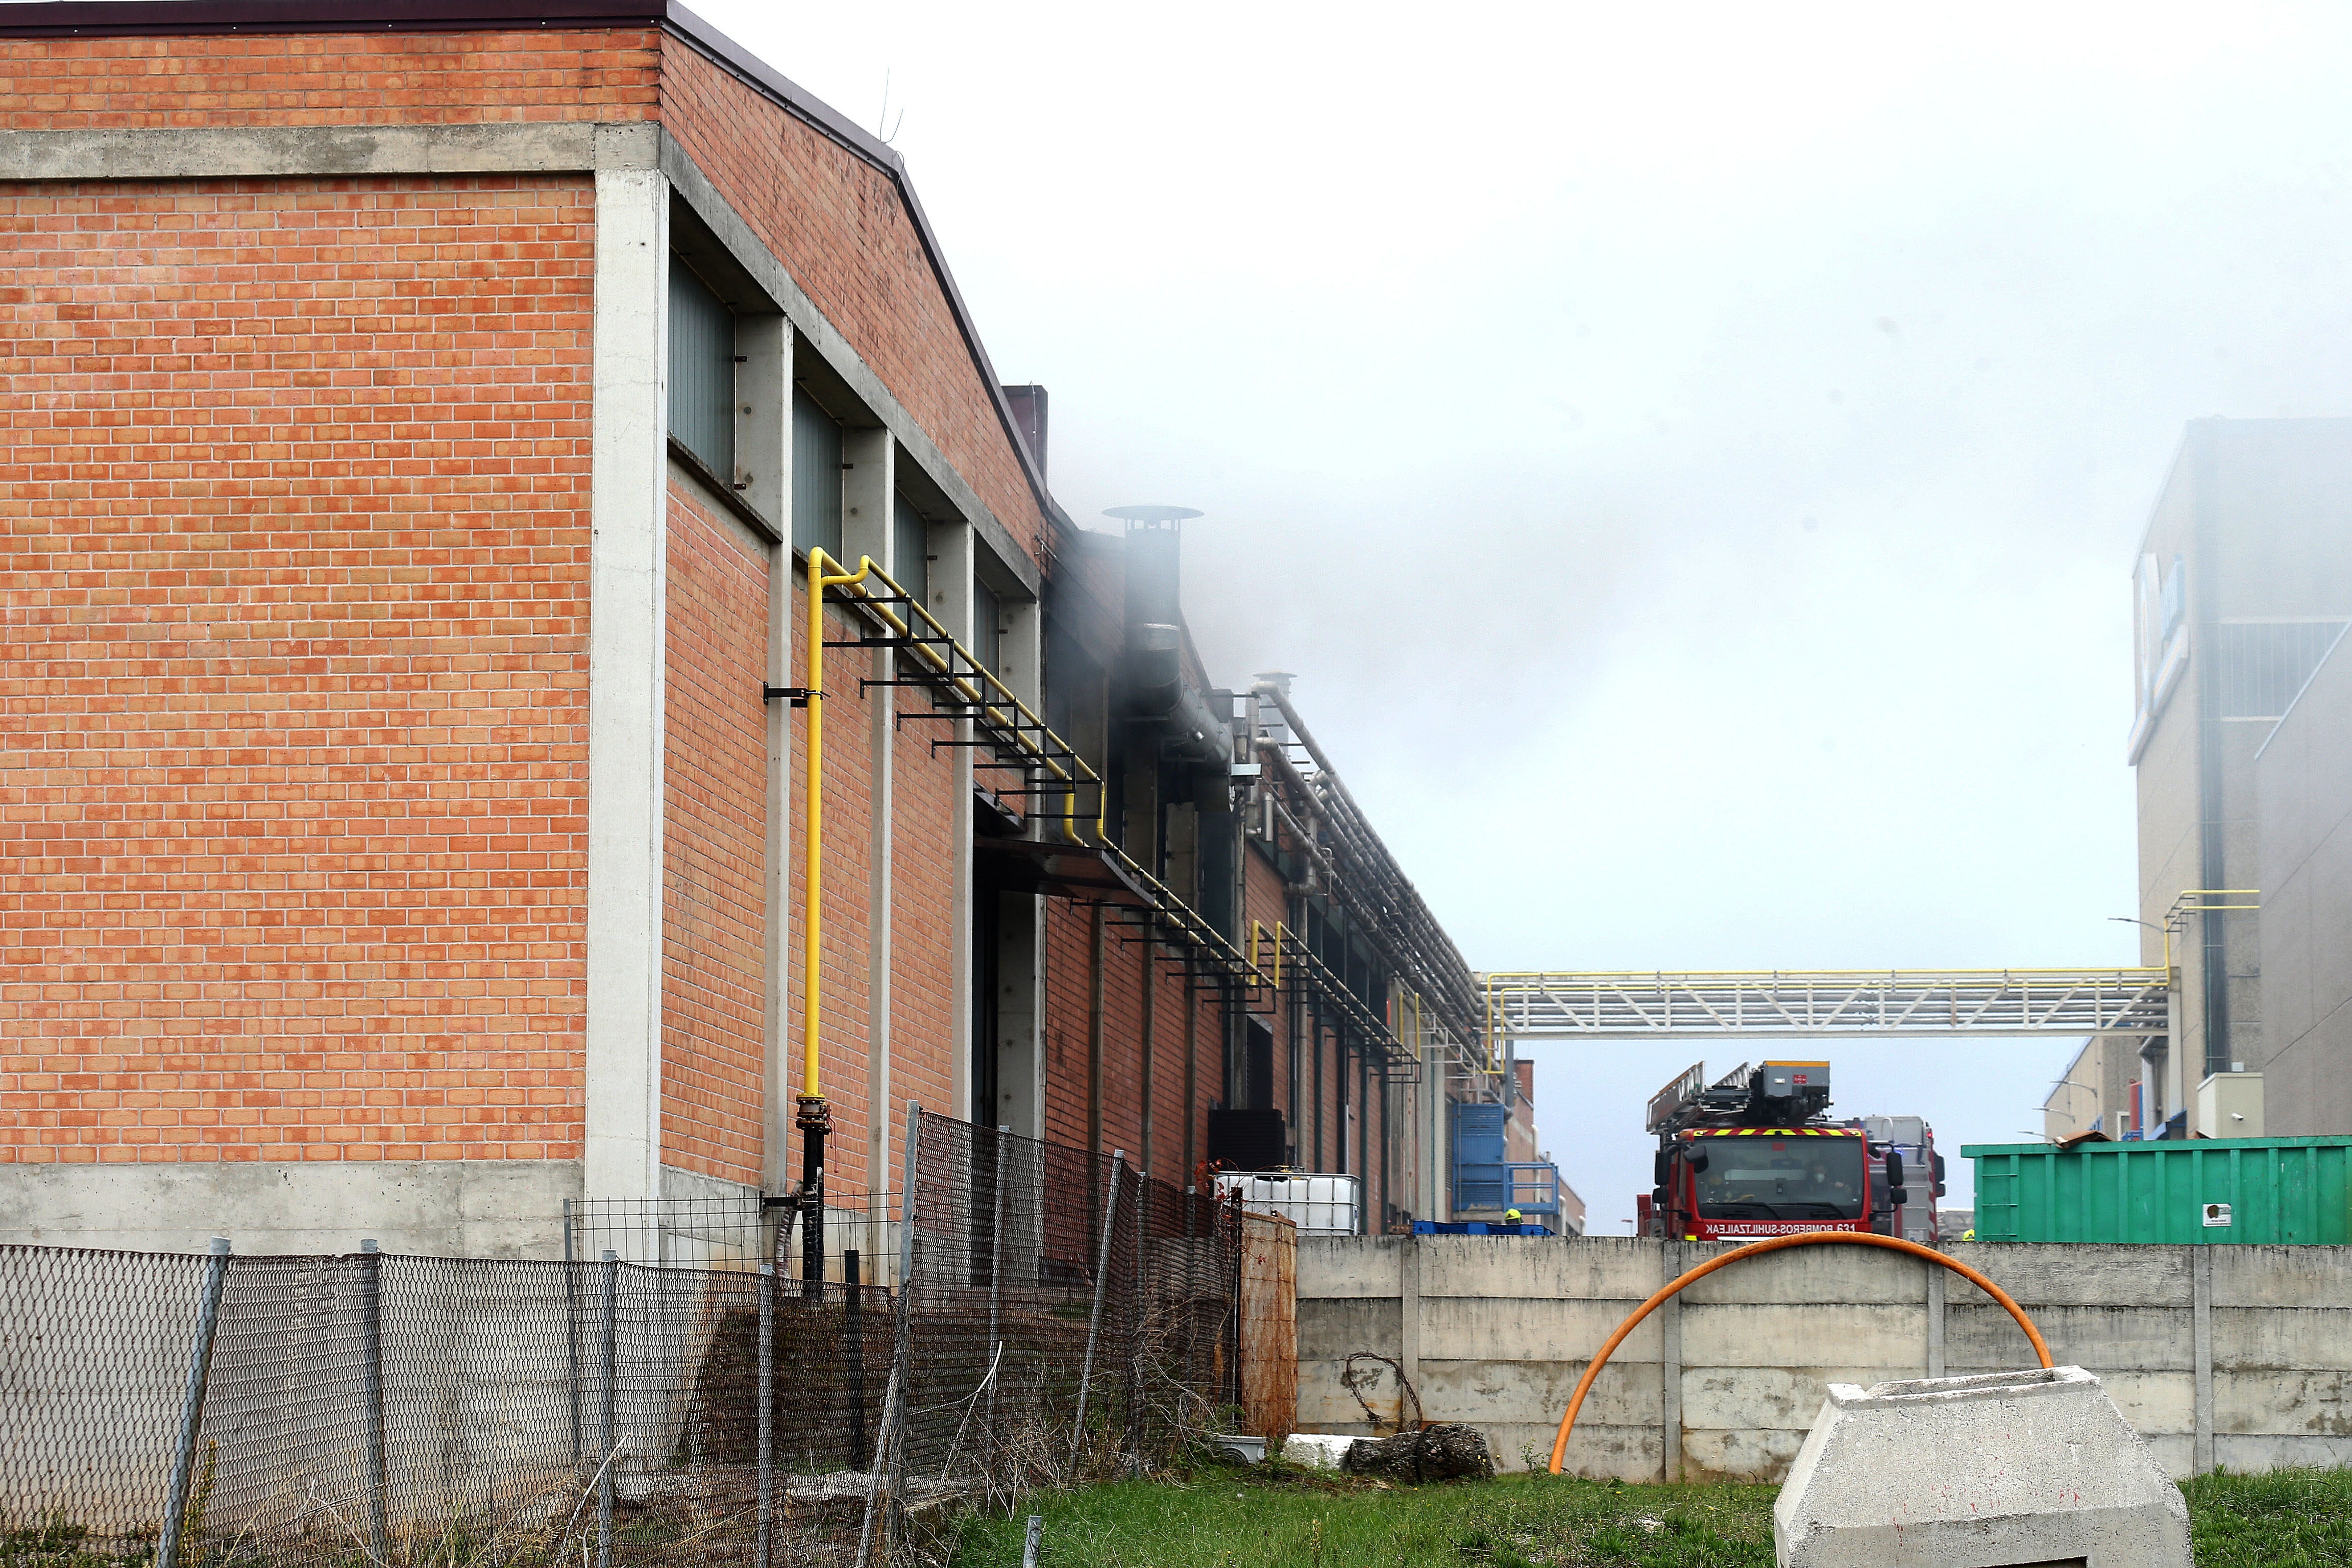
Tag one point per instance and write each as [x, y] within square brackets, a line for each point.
[1269, 1326]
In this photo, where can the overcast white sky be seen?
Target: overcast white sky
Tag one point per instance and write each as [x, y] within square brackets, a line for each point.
[1691, 456]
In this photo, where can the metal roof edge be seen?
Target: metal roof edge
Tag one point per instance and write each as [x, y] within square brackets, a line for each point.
[166, 19]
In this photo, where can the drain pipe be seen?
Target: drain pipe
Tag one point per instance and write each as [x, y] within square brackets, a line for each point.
[815, 1118]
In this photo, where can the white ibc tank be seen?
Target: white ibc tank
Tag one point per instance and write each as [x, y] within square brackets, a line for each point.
[1317, 1205]
[2035, 1467]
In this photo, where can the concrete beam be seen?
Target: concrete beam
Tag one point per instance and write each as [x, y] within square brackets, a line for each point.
[463, 1208]
[268, 151]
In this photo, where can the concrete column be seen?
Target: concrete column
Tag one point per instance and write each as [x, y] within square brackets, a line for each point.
[763, 385]
[2201, 1305]
[763, 420]
[627, 490]
[1669, 1333]
[1936, 1319]
[1020, 920]
[1409, 1333]
[1021, 1017]
[867, 488]
[950, 603]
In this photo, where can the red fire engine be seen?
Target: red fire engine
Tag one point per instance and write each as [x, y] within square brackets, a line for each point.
[1754, 1155]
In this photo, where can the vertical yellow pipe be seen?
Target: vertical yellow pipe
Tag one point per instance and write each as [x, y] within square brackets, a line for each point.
[812, 894]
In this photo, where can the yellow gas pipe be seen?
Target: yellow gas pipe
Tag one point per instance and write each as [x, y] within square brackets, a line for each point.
[815, 1118]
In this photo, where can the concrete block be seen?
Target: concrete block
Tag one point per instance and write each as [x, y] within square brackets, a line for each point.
[1320, 1449]
[1761, 1456]
[2250, 1455]
[480, 1208]
[1891, 1340]
[1783, 1398]
[1813, 1275]
[2158, 1404]
[2101, 1338]
[2074, 1275]
[1340, 1266]
[2176, 1454]
[1516, 1330]
[1595, 1452]
[2250, 1339]
[1333, 1329]
[2014, 1467]
[1477, 1391]
[2280, 1275]
[1623, 1268]
[2284, 1402]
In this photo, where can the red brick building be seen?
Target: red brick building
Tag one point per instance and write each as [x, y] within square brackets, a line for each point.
[414, 423]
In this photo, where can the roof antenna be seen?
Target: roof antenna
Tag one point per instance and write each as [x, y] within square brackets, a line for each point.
[892, 134]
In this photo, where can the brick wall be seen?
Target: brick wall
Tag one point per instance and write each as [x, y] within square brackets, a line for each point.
[1068, 968]
[714, 846]
[328, 78]
[923, 1042]
[293, 693]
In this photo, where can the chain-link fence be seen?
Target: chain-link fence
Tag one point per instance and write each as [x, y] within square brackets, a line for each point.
[1067, 1321]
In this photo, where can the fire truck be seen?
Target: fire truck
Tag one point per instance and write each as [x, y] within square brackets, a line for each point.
[1754, 1154]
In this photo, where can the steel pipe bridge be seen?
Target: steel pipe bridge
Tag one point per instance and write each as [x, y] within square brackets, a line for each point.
[1823, 1002]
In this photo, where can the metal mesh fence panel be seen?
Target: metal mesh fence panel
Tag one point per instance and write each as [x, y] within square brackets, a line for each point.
[1068, 1318]
[93, 1376]
[1065, 1320]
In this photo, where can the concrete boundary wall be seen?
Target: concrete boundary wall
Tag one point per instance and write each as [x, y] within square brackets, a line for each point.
[2236, 1356]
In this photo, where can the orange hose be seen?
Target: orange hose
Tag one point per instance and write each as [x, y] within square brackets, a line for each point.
[1774, 1244]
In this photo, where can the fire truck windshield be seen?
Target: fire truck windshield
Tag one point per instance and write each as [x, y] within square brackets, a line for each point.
[1782, 1178]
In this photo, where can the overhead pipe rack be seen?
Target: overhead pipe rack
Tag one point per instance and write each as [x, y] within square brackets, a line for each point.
[1288, 954]
[1360, 873]
[1897, 1002]
[1051, 769]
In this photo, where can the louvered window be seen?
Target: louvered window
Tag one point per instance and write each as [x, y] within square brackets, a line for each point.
[817, 478]
[701, 372]
[909, 541]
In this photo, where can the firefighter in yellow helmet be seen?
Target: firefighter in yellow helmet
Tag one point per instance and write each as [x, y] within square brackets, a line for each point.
[1513, 1217]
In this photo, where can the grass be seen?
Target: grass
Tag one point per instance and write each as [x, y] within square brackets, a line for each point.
[2287, 1519]
[1280, 1516]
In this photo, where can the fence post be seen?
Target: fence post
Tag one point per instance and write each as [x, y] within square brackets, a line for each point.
[853, 1338]
[1138, 1315]
[605, 1458]
[1094, 1319]
[767, 1396]
[371, 1368]
[571, 1328]
[995, 1289]
[892, 1437]
[191, 1405]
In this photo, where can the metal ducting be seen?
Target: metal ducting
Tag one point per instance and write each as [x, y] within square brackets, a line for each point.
[1161, 696]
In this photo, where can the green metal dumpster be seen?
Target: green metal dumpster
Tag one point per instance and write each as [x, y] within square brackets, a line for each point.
[2198, 1190]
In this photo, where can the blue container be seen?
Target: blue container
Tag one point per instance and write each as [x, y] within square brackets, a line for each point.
[1475, 1228]
[1481, 1179]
